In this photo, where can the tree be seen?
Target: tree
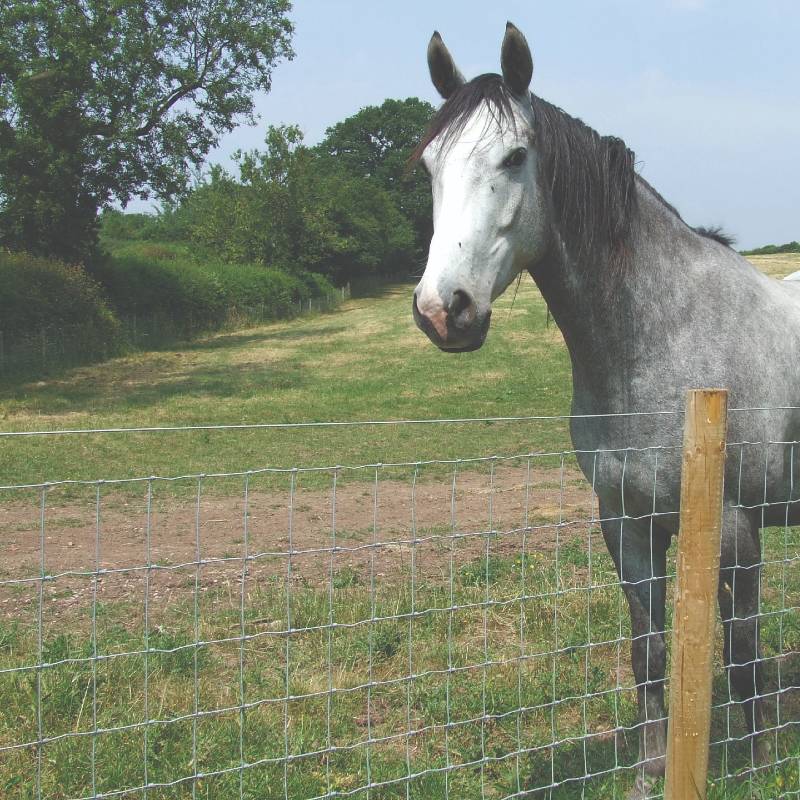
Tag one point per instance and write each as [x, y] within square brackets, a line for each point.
[290, 209]
[376, 144]
[104, 100]
[253, 218]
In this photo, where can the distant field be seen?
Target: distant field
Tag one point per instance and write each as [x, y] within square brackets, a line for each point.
[365, 361]
[778, 266]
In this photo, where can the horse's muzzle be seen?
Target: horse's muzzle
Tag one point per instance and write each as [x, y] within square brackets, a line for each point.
[456, 326]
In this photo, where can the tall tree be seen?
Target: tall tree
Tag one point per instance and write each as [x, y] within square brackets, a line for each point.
[104, 100]
[290, 209]
[376, 143]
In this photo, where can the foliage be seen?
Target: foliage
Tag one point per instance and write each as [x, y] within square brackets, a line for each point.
[773, 249]
[170, 224]
[107, 101]
[236, 222]
[145, 296]
[349, 208]
[200, 295]
[375, 144]
[290, 207]
[38, 293]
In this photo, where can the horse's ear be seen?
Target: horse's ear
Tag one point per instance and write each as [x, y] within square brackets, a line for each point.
[444, 72]
[516, 61]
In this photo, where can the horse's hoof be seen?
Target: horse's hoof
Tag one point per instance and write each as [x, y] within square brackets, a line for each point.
[762, 751]
[643, 788]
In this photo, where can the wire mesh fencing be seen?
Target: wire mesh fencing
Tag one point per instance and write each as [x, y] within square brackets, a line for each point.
[440, 628]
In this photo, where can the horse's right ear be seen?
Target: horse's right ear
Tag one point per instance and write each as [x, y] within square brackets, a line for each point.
[444, 72]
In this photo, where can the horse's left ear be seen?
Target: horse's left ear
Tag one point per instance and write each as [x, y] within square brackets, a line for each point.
[516, 61]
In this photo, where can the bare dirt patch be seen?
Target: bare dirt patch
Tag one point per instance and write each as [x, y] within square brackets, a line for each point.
[368, 531]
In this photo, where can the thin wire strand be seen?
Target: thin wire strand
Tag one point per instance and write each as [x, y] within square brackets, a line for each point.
[337, 424]
[372, 422]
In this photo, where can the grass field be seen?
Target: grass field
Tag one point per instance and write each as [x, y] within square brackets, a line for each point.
[778, 266]
[365, 361]
[451, 632]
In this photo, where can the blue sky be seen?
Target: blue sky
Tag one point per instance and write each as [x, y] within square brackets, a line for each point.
[706, 92]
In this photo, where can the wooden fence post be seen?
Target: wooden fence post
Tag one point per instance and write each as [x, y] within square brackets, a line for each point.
[696, 594]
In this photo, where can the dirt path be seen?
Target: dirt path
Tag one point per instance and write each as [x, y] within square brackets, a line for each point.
[376, 529]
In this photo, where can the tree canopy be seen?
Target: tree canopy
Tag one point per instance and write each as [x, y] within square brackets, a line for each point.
[104, 100]
[376, 143]
[288, 208]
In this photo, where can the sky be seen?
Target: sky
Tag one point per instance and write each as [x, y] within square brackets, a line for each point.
[706, 92]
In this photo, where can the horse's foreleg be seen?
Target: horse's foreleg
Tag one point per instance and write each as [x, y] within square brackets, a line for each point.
[738, 602]
[640, 558]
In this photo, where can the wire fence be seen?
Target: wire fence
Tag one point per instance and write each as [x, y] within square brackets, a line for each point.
[55, 347]
[440, 628]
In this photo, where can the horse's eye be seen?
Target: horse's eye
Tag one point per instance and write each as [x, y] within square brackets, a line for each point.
[515, 158]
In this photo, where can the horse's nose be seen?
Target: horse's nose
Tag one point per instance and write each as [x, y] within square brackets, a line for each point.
[461, 309]
[450, 319]
[455, 310]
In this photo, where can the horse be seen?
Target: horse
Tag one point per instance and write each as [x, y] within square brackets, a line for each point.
[648, 307]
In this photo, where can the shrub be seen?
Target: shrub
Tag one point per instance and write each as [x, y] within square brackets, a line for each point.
[148, 295]
[37, 293]
[185, 292]
[197, 296]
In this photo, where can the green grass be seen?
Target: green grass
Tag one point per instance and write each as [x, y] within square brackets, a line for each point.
[526, 684]
[364, 361]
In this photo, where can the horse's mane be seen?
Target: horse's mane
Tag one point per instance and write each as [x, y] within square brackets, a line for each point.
[590, 178]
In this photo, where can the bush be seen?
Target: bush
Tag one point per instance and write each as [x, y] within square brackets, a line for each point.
[37, 293]
[51, 316]
[54, 316]
[170, 224]
[138, 286]
[201, 296]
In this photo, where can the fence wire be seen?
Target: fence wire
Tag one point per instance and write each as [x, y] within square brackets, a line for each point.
[448, 629]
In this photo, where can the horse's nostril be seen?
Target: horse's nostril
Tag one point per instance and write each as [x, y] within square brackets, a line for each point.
[462, 308]
[414, 306]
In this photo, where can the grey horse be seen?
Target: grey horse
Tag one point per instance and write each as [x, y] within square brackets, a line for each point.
[648, 307]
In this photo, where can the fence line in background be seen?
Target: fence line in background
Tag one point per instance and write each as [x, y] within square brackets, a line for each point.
[62, 346]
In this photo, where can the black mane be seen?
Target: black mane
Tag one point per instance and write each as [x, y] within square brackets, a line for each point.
[716, 233]
[452, 117]
[590, 178]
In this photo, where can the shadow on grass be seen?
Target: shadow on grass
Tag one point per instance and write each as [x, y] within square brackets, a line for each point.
[111, 391]
[597, 767]
[377, 289]
[262, 336]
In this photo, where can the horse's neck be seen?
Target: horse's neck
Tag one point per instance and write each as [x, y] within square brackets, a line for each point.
[606, 324]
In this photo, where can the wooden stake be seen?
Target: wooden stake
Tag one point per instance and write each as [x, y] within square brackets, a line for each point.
[696, 594]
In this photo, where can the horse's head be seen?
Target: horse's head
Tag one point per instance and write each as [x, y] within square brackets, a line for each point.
[488, 212]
